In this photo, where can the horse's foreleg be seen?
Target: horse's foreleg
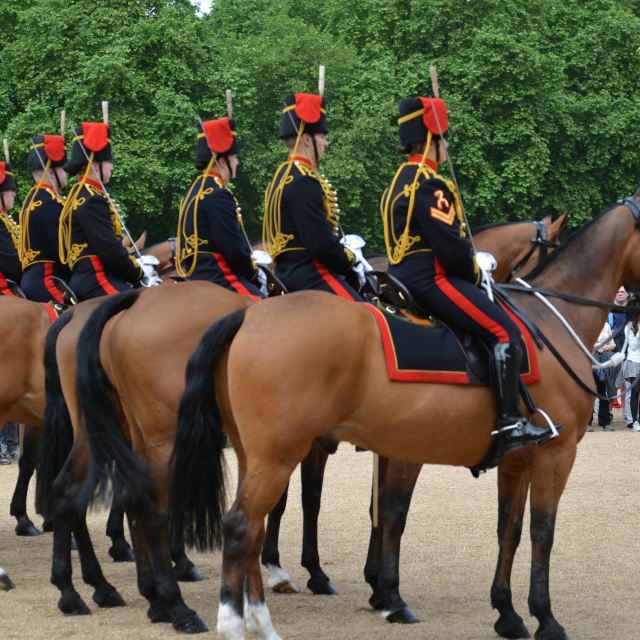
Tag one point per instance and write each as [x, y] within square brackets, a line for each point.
[398, 483]
[548, 478]
[513, 485]
[26, 467]
[120, 549]
[5, 581]
[312, 476]
[279, 580]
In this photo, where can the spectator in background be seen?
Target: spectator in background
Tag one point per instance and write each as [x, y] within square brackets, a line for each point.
[9, 442]
[631, 368]
[604, 381]
[617, 321]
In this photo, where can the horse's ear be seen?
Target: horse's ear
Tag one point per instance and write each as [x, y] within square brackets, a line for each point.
[126, 243]
[547, 219]
[562, 221]
[141, 241]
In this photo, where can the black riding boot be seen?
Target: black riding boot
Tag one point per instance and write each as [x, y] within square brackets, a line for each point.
[515, 430]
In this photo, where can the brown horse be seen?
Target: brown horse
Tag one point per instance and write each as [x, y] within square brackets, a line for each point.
[518, 248]
[132, 353]
[311, 365]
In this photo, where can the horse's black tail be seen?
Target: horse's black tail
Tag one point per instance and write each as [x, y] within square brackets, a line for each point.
[110, 457]
[56, 437]
[198, 490]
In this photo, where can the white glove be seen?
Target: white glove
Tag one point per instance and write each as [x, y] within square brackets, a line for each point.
[486, 280]
[262, 282]
[150, 276]
[261, 257]
[486, 261]
[148, 259]
[360, 271]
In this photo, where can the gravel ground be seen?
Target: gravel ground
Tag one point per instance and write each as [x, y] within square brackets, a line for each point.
[448, 558]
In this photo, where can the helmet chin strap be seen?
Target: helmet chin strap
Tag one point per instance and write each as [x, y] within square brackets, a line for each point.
[2, 204]
[315, 148]
[101, 174]
[226, 161]
[55, 175]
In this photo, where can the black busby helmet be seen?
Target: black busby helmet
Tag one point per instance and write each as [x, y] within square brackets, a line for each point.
[96, 139]
[45, 149]
[303, 107]
[418, 117]
[7, 180]
[215, 136]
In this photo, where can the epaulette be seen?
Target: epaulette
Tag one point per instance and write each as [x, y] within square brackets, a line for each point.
[306, 171]
[93, 191]
[55, 197]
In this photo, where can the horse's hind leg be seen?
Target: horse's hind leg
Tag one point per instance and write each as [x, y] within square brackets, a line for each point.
[398, 482]
[279, 580]
[26, 467]
[120, 549]
[243, 529]
[105, 594]
[549, 475]
[312, 476]
[513, 485]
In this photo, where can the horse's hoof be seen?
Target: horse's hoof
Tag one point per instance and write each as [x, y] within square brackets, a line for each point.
[401, 616]
[5, 582]
[47, 525]
[551, 631]
[285, 587]
[158, 615]
[190, 624]
[122, 552]
[109, 599]
[280, 581]
[192, 574]
[321, 587]
[73, 606]
[26, 528]
[511, 626]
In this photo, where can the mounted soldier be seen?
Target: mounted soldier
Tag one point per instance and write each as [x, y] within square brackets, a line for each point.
[429, 251]
[9, 231]
[302, 219]
[40, 220]
[211, 244]
[90, 226]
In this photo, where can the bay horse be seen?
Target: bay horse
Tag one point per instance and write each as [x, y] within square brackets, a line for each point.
[98, 369]
[322, 373]
[518, 247]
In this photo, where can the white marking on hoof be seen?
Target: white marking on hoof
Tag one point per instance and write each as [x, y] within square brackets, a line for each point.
[280, 581]
[230, 625]
[385, 613]
[258, 620]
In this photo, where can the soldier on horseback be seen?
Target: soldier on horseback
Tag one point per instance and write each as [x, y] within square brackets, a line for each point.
[302, 219]
[90, 228]
[210, 241]
[430, 253]
[40, 219]
[9, 231]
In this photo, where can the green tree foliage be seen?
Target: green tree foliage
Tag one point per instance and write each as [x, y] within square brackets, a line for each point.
[542, 95]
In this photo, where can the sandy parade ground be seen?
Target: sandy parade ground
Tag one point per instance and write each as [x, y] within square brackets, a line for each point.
[448, 558]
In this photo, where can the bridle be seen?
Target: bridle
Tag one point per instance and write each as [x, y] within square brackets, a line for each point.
[539, 242]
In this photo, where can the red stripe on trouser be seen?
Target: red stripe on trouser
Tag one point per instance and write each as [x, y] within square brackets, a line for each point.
[53, 316]
[231, 277]
[50, 285]
[107, 287]
[4, 287]
[465, 305]
[331, 281]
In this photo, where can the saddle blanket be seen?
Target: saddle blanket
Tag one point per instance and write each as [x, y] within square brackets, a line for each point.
[421, 352]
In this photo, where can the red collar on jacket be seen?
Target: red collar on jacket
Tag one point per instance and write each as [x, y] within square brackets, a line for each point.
[92, 183]
[302, 159]
[417, 158]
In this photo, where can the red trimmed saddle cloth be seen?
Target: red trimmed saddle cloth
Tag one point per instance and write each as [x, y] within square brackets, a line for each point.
[425, 352]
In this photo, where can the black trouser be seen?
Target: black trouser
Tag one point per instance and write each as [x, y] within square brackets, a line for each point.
[604, 417]
[635, 397]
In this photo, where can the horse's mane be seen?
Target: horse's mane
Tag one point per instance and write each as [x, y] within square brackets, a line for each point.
[568, 246]
[493, 225]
